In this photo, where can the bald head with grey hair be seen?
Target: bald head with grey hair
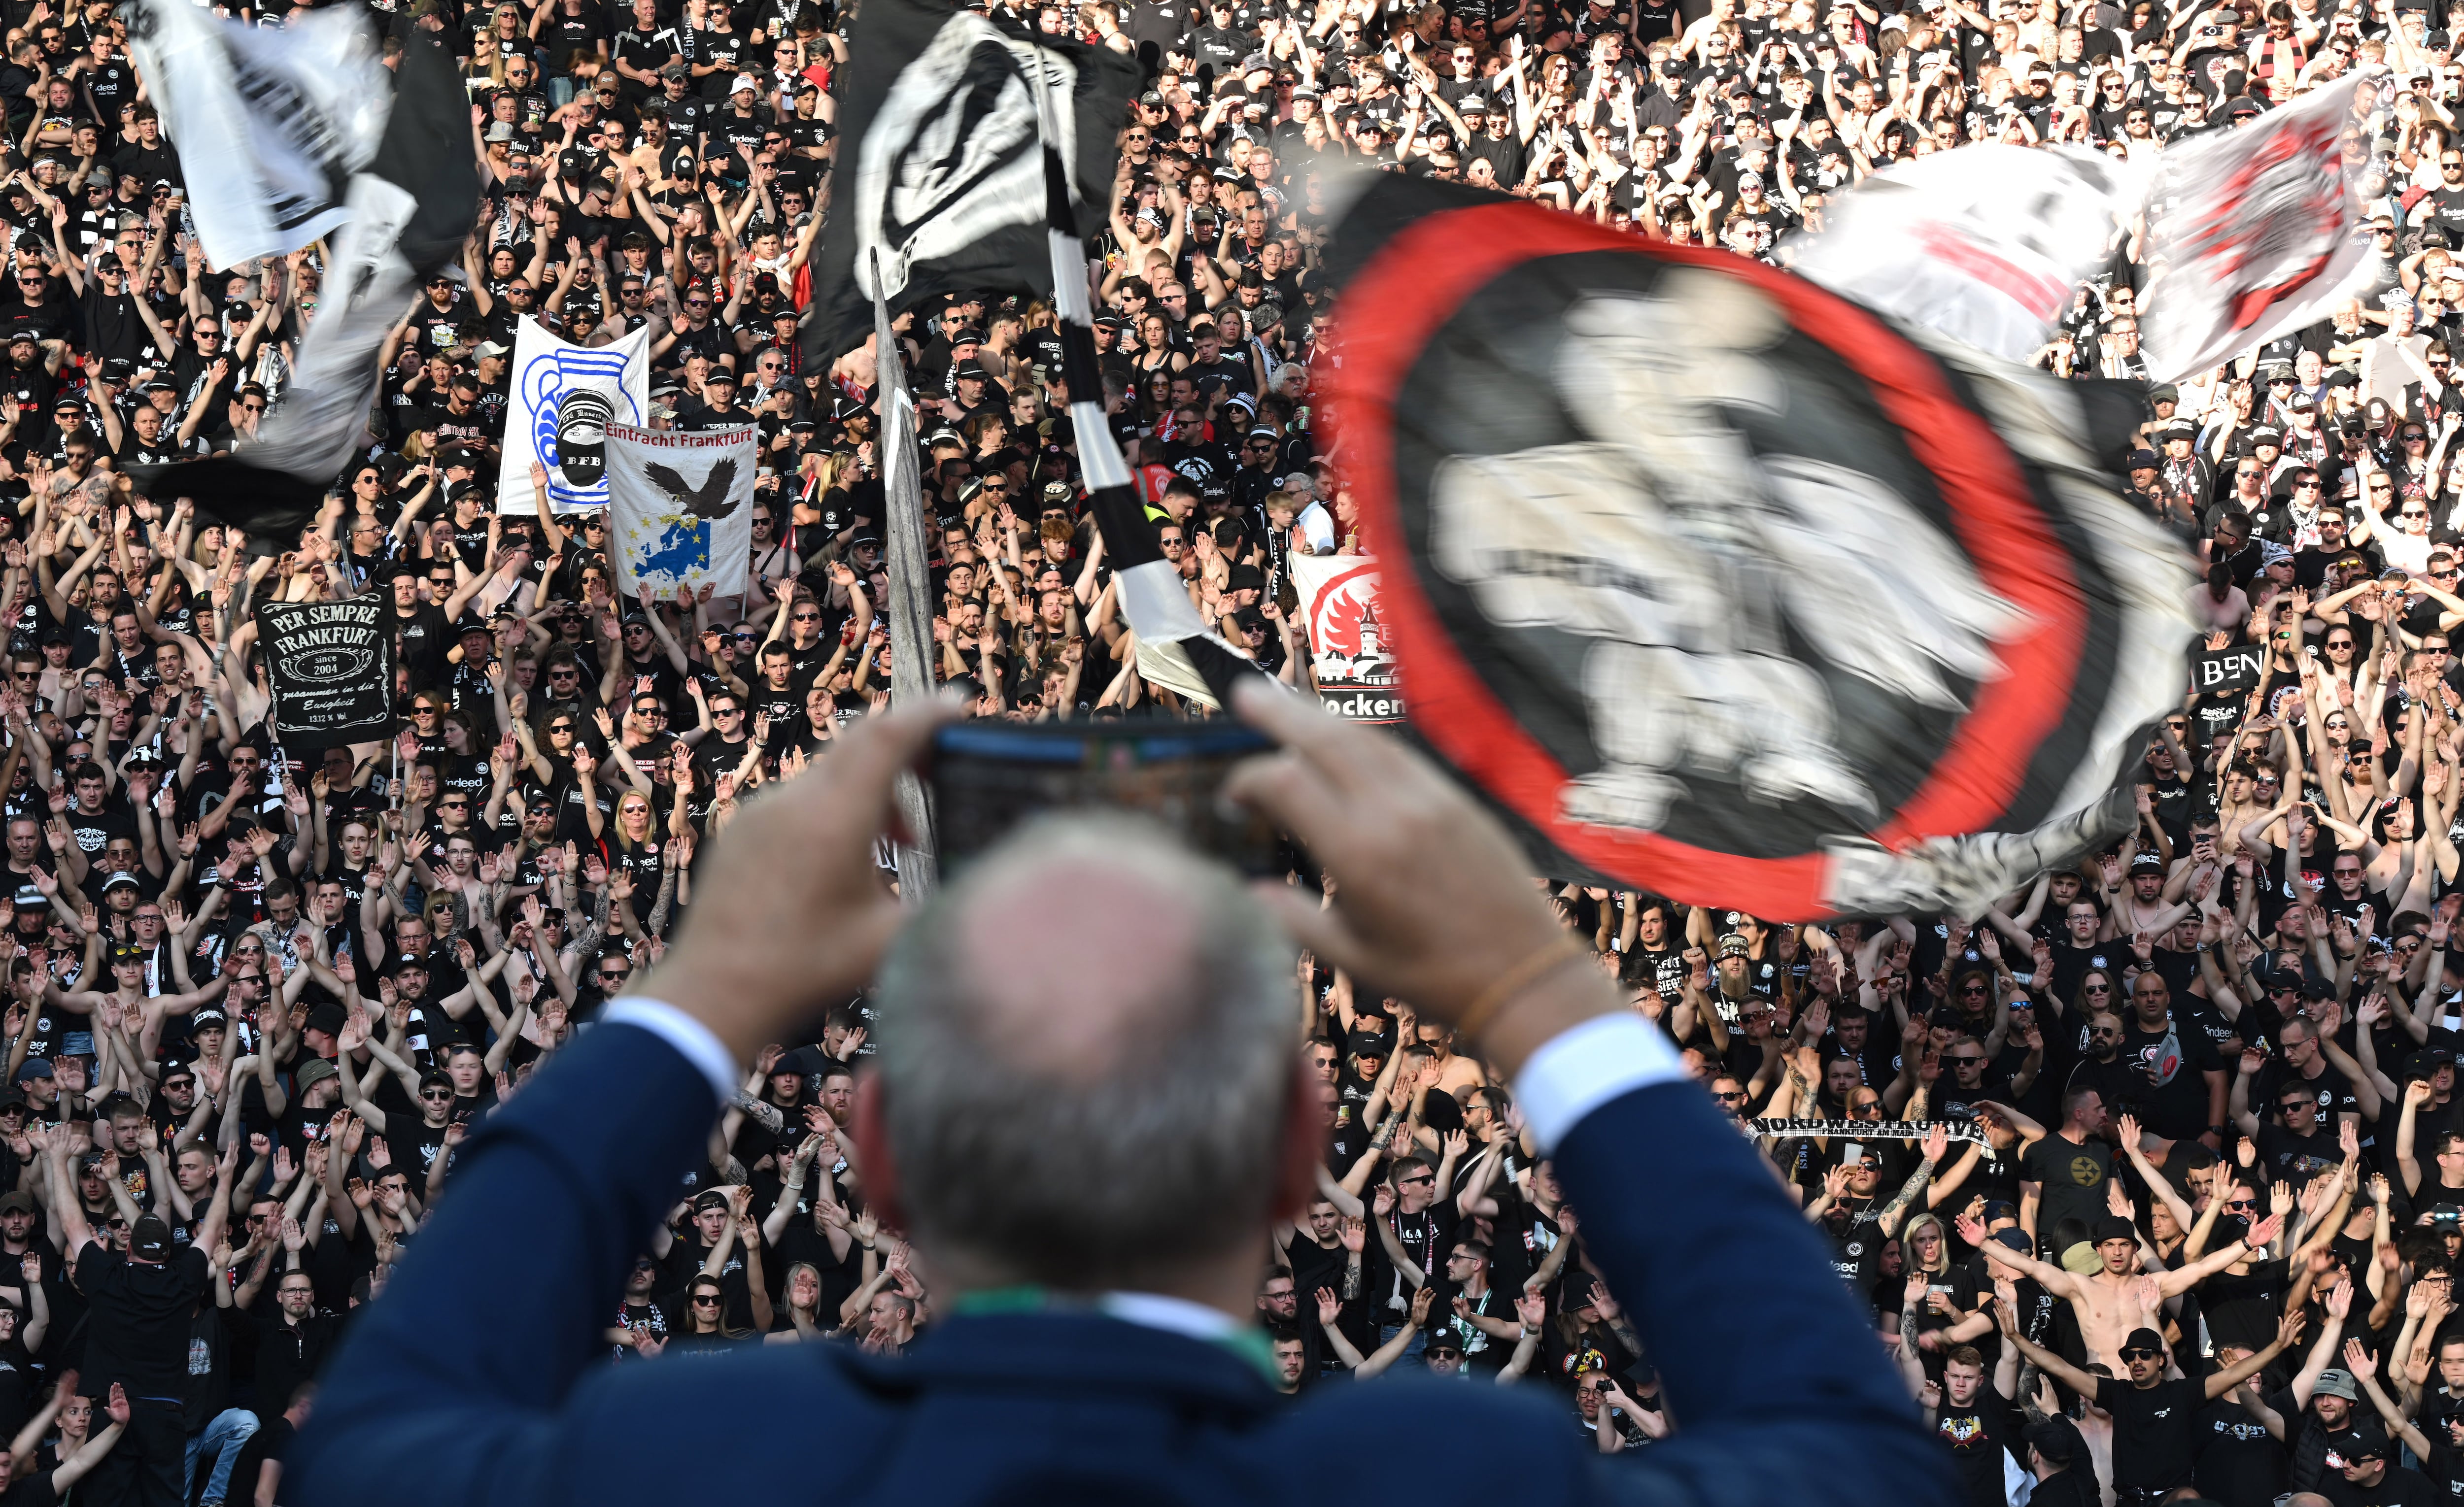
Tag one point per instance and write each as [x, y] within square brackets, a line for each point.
[1088, 1061]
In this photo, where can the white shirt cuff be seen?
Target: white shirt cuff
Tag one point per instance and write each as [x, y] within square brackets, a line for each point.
[1576, 1071]
[699, 1044]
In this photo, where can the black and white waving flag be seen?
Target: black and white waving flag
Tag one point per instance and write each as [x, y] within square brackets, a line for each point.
[409, 213]
[939, 177]
[270, 124]
[1727, 589]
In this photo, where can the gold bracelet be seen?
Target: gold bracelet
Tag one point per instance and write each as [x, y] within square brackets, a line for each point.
[1542, 962]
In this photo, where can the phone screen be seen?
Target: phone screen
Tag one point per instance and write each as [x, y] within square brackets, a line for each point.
[988, 777]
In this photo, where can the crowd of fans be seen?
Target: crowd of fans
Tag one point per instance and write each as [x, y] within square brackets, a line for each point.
[2163, 1185]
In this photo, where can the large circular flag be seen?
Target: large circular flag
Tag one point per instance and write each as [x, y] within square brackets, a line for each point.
[1724, 587]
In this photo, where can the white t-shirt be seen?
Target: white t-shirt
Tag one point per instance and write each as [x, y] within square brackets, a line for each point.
[1317, 525]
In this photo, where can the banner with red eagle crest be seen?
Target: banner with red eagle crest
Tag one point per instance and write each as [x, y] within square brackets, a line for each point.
[1350, 657]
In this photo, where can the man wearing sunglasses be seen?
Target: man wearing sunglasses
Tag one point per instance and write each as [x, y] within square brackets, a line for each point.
[415, 1143]
[2155, 1419]
[2296, 1144]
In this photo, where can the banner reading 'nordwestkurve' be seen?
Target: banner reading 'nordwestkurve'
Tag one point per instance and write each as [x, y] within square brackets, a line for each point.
[331, 664]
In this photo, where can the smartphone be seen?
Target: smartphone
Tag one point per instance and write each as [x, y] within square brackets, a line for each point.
[987, 778]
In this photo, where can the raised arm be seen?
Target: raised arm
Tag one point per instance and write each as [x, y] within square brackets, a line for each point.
[2042, 1359]
[573, 1174]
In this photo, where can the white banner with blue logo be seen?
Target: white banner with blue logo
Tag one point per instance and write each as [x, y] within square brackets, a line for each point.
[681, 512]
[564, 398]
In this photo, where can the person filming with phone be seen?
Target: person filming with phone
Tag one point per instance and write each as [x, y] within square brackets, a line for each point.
[1088, 1164]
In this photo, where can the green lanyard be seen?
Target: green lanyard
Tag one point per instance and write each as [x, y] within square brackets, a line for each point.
[1250, 1343]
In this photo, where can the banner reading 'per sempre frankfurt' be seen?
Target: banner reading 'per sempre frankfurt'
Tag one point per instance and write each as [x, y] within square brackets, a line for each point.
[331, 665]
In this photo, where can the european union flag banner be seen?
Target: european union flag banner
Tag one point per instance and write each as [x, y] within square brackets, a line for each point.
[679, 508]
[565, 399]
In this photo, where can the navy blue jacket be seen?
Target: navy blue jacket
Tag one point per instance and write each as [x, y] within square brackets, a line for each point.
[475, 1380]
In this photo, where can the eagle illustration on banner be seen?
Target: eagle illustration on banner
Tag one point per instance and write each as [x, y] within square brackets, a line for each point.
[676, 504]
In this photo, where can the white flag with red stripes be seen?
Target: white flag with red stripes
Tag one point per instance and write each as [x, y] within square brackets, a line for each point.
[2255, 232]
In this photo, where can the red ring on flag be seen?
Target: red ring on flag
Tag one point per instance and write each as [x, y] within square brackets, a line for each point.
[1413, 286]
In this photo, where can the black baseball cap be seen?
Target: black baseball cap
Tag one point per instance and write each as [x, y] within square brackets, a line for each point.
[149, 1238]
[2057, 1440]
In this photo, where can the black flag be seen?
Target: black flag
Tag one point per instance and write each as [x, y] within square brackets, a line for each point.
[331, 667]
[410, 211]
[939, 171]
[1727, 589]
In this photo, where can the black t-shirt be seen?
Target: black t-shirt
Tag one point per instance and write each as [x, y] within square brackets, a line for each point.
[2074, 1487]
[2170, 1065]
[2071, 1179]
[271, 1442]
[421, 640]
[91, 831]
[2445, 1466]
[2295, 1158]
[2240, 1463]
[570, 36]
[2155, 1429]
[1979, 1438]
[2242, 1309]
[16, 1383]
[2335, 1093]
[35, 1490]
[1314, 1266]
[2399, 1487]
[1427, 1238]
[137, 1330]
[2071, 964]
